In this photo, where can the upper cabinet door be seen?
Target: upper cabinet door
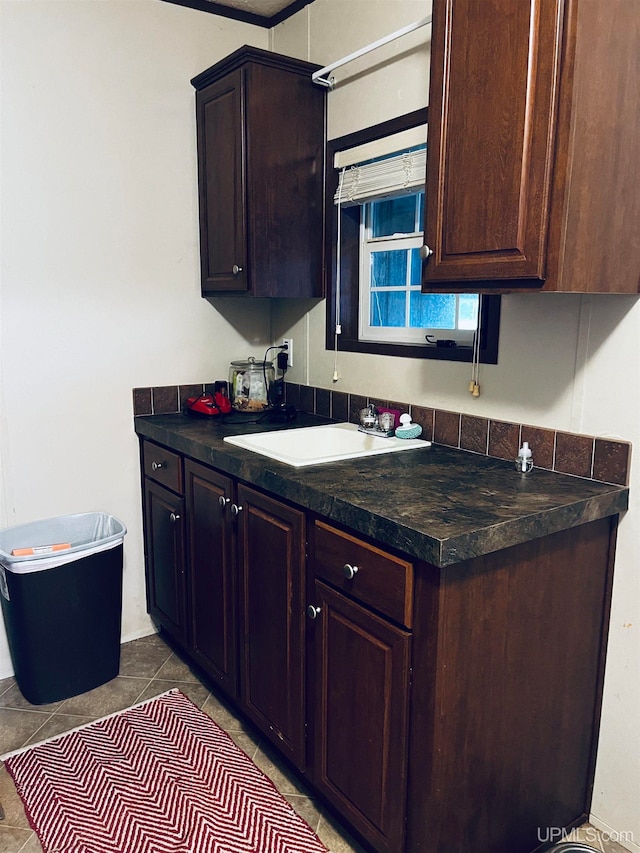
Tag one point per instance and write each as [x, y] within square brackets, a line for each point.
[494, 77]
[223, 242]
[534, 141]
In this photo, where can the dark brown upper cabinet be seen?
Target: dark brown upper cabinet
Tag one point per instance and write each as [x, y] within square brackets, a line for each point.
[534, 142]
[261, 131]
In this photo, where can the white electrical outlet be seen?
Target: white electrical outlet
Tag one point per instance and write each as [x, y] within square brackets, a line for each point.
[288, 342]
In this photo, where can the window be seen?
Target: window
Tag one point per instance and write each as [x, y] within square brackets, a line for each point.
[376, 210]
[392, 306]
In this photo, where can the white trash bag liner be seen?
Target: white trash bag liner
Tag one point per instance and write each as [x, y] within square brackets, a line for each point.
[88, 533]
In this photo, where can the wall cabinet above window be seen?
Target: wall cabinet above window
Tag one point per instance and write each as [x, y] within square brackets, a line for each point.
[260, 124]
[534, 141]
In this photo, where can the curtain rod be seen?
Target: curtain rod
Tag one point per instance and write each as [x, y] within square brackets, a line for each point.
[320, 77]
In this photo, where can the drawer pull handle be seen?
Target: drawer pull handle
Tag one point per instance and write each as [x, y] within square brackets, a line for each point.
[156, 466]
[313, 612]
[235, 510]
[236, 269]
[223, 501]
[173, 517]
[425, 252]
[350, 571]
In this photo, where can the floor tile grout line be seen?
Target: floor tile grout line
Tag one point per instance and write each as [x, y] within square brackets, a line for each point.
[27, 840]
[139, 699]
[9, 686]
[33, 734]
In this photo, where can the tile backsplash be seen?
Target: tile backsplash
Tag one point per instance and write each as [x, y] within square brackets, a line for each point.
[606, 460]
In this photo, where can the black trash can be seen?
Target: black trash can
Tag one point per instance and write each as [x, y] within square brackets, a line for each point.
[61, 593]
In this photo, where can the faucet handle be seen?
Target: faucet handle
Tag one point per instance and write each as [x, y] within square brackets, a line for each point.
[368, 417]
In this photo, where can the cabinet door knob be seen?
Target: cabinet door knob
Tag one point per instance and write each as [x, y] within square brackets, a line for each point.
[173, 517]
[156, 466]
[235, 269]
[425, 252]
[235, 510]
[223, 501]
[313, 612]
[349, 571]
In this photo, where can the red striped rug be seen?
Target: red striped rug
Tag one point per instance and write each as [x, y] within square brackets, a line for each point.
[158, 778]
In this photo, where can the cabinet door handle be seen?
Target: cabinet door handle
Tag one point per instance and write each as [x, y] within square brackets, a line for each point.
[349, 571]
[223, 502]
[156, 466]
[235, 269]
[173, 517]
[425, 252]
[313, 612]
[235, 510]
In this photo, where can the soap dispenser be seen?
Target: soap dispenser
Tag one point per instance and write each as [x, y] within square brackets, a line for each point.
[407, 429]
[524, 462]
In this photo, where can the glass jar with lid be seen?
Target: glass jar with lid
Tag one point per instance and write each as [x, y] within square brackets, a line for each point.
[249, 384]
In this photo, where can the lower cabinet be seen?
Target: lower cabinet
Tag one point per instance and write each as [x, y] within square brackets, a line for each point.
[212, 579]
[361, 668]
[165, 562]
[271, 557]
[430, 707]
[316, 653]
[361, 671]
[246, 586]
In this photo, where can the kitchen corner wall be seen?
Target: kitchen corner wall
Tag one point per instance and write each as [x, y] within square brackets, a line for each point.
[566, 362]
[100, 286]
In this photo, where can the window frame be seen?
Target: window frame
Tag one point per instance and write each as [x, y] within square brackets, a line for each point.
[351, 224]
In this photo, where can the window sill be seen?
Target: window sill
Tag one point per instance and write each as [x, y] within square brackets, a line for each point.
[458, 353]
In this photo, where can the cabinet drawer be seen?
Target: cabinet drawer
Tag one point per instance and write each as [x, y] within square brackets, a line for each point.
[163, 466]
[379, 579]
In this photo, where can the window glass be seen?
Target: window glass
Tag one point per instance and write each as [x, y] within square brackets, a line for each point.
[468, 311]
[393, 216]
[433, 310]
[389, 269]
[388, 308]
[416, 267]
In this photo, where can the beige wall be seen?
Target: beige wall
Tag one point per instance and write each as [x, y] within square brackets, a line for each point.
[100, 270]
[566, 361]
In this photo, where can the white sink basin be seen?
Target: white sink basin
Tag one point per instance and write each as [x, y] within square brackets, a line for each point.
[326, 443]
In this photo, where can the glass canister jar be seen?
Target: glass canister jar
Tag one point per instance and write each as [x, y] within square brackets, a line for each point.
[249, 384]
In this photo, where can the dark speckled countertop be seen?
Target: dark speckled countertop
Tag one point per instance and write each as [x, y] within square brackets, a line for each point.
[440, 505]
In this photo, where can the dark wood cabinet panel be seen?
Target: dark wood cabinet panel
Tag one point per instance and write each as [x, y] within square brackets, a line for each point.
[507, 676]
[260, 166]
[223, 245]
[490, 139]
[360, 716]
[165, 559]
[271, 540]
[211, 580]
[533, 137]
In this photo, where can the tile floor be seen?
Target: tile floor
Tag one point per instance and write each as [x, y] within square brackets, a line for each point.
[149, 667]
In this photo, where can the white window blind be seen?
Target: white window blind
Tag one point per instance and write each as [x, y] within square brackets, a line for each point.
[393, 175]
[382, 167]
